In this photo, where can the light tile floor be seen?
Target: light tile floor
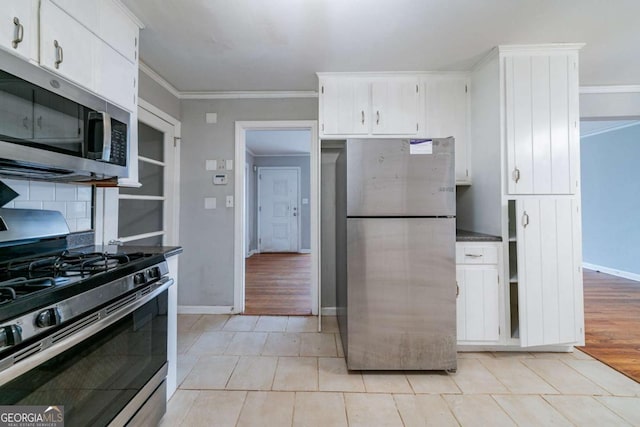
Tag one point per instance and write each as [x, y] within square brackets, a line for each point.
[276, 371]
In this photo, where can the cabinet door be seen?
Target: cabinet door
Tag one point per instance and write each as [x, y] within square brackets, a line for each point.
[66, 47]
[17, 26]
[116, 77]
[122, 37]
[447, 107]
[344, 106]
[477, 305]
[394, 106]
[549, 274]
[541, 111]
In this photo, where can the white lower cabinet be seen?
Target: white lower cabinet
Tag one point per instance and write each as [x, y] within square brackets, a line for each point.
[478, 302]
[546, 273]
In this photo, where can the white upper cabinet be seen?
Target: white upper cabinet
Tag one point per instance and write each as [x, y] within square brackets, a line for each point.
[394, 106]
[66, 47]
[18, 27]
[541, 118]
[344, 106]
[549, 277]
[366, 105]
[116, 77]
[447, 114]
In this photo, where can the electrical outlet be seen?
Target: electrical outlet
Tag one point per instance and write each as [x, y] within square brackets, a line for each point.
[229, 201]
[228, 164]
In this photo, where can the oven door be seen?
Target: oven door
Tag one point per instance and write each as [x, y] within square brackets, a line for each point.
[111, 369]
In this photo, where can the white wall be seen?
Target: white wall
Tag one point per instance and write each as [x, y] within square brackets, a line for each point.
[206, 266]
[74, 201]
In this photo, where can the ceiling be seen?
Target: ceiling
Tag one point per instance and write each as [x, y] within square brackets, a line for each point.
[278, 142]
[239, 45]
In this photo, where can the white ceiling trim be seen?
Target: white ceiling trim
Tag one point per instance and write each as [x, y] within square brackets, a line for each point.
[159, 79]
[130, 14]
[249, 94]
[610, 89]
[611, 129]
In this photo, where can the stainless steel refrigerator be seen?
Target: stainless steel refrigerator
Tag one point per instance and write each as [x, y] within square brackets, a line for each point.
[395, 249]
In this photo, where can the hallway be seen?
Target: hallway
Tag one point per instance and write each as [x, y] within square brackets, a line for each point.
[278, 284]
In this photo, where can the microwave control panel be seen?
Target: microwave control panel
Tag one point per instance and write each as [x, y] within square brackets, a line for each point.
[118, 143]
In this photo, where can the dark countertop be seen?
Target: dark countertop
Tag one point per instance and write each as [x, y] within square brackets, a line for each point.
[167, 251]
[471, 236]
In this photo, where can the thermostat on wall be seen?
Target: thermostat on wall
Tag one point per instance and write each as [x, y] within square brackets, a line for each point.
[220, 179]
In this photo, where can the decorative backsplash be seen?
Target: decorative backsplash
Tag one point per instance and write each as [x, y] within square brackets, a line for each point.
[74, 201]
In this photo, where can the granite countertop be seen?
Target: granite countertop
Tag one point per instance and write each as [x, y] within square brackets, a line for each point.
[167, 251]
[471, 236]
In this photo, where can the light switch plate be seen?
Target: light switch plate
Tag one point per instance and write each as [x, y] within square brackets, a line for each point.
[211, 117]
[209, 202]
[229, 201]
[229, 164]
[221, 164]
[305, 201]
[211, 165]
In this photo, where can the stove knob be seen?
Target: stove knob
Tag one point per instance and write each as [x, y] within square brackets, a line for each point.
[49, 317]
[139, 279]
[10, 335]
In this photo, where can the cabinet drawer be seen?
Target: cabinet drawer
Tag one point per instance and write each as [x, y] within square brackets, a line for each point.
[476, 254]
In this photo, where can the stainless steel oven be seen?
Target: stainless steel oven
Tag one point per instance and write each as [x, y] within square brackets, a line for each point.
[79, 327]
[104, 367]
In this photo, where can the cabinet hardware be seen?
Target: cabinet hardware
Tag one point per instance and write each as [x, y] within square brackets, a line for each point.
[416, 88]
[465, 89]
[39, 121]
[59, 54]
[525, 219]
[25, 122]
[457, 290]
[362, 117]
[18, 34]
[321, 89]
[474, 255]
[416, 127]
[516, 175]
[377, 117]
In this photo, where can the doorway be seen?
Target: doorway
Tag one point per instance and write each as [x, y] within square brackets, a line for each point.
[287, 241]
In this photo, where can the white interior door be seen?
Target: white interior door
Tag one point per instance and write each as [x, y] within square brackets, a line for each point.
[278, 209]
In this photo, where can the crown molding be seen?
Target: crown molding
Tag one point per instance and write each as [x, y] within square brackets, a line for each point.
[611, 129]
[158, 79]
[130, 14]
[610, 89]
[538, 48]
[250, 94]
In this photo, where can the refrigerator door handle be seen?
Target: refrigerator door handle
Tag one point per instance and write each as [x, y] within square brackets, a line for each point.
[525, 219]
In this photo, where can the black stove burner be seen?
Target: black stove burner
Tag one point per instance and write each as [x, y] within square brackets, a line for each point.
[14, 288]
[72, 263]
[25, 276]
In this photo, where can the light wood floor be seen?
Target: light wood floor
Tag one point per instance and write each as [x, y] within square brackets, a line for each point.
[278, 284]
[612, 321]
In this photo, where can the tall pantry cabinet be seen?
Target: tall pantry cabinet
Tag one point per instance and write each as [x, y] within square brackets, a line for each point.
[524, 124]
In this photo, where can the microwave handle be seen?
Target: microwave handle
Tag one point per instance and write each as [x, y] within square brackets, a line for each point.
[106, 136]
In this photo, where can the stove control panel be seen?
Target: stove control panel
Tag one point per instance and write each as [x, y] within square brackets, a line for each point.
[49, 317]
[147, 276]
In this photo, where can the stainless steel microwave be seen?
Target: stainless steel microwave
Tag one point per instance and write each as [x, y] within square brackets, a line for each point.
[53, 130]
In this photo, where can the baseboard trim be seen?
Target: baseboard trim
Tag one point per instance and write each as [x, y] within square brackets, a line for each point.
[205, 309]
[329, 311]
[612, 271]
[514, 348]
[304, 251]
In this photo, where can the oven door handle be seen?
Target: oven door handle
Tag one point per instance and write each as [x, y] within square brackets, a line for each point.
[52, 345]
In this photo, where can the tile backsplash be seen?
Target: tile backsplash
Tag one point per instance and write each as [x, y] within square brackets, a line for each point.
[74, 201]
